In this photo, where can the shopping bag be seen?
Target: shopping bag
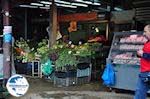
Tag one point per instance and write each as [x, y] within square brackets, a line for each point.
[108, 75]
[47, 68]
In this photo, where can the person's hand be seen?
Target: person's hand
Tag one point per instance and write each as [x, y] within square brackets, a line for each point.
[140, 53]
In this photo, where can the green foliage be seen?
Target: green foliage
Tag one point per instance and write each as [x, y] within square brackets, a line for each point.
[42, 50]
[66, 58]
[68, 53]
[96, 46]
[84, 50]
[61, 54]
[26, 54]
[28, 57]
[23, 44]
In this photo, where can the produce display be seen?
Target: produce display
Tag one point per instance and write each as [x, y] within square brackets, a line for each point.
[124, 48]
[97, 39]
[126, 55]
[130, 47]
[22, 51]
[123, 56]
[133, 39]
[126, 61]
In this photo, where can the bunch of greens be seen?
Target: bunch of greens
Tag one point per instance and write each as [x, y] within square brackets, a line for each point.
[22, 44]
[96, 46]
[84, 50]
[42, 50]
[23, 51]
[66, 58]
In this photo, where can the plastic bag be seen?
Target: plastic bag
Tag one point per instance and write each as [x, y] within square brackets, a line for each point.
[47, 68]
[109, 75]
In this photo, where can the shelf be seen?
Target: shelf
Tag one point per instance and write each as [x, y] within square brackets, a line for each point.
[126, 61]
[124, 49]
[127, 46]
[130, 43]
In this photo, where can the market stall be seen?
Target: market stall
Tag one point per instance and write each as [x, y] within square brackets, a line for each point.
[64, 63]
[124, 58]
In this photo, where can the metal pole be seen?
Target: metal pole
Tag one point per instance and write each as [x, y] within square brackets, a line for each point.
[25, 21]
[7, 36]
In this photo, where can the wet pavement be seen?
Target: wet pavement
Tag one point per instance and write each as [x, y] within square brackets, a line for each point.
[44, 89]
[75, 95]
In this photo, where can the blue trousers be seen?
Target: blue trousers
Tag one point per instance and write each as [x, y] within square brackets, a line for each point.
[142, 88]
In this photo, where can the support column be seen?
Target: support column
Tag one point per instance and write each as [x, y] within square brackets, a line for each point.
[26, 22]
[7, 40]
[53, 23]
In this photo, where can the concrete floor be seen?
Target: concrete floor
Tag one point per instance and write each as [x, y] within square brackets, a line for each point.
[44, 89]
[75, 95]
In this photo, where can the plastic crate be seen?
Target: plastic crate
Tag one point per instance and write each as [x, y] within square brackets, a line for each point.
[62, 74]
[84, 71]
[83, 80]
[21, 68]
[84, 59]
[69, 81]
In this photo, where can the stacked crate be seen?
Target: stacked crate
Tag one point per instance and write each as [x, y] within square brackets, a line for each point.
[81, 75]
[84, 70]
[84, 75]
[67, 78]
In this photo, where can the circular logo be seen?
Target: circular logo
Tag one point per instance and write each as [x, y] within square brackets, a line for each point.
[17, 85]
